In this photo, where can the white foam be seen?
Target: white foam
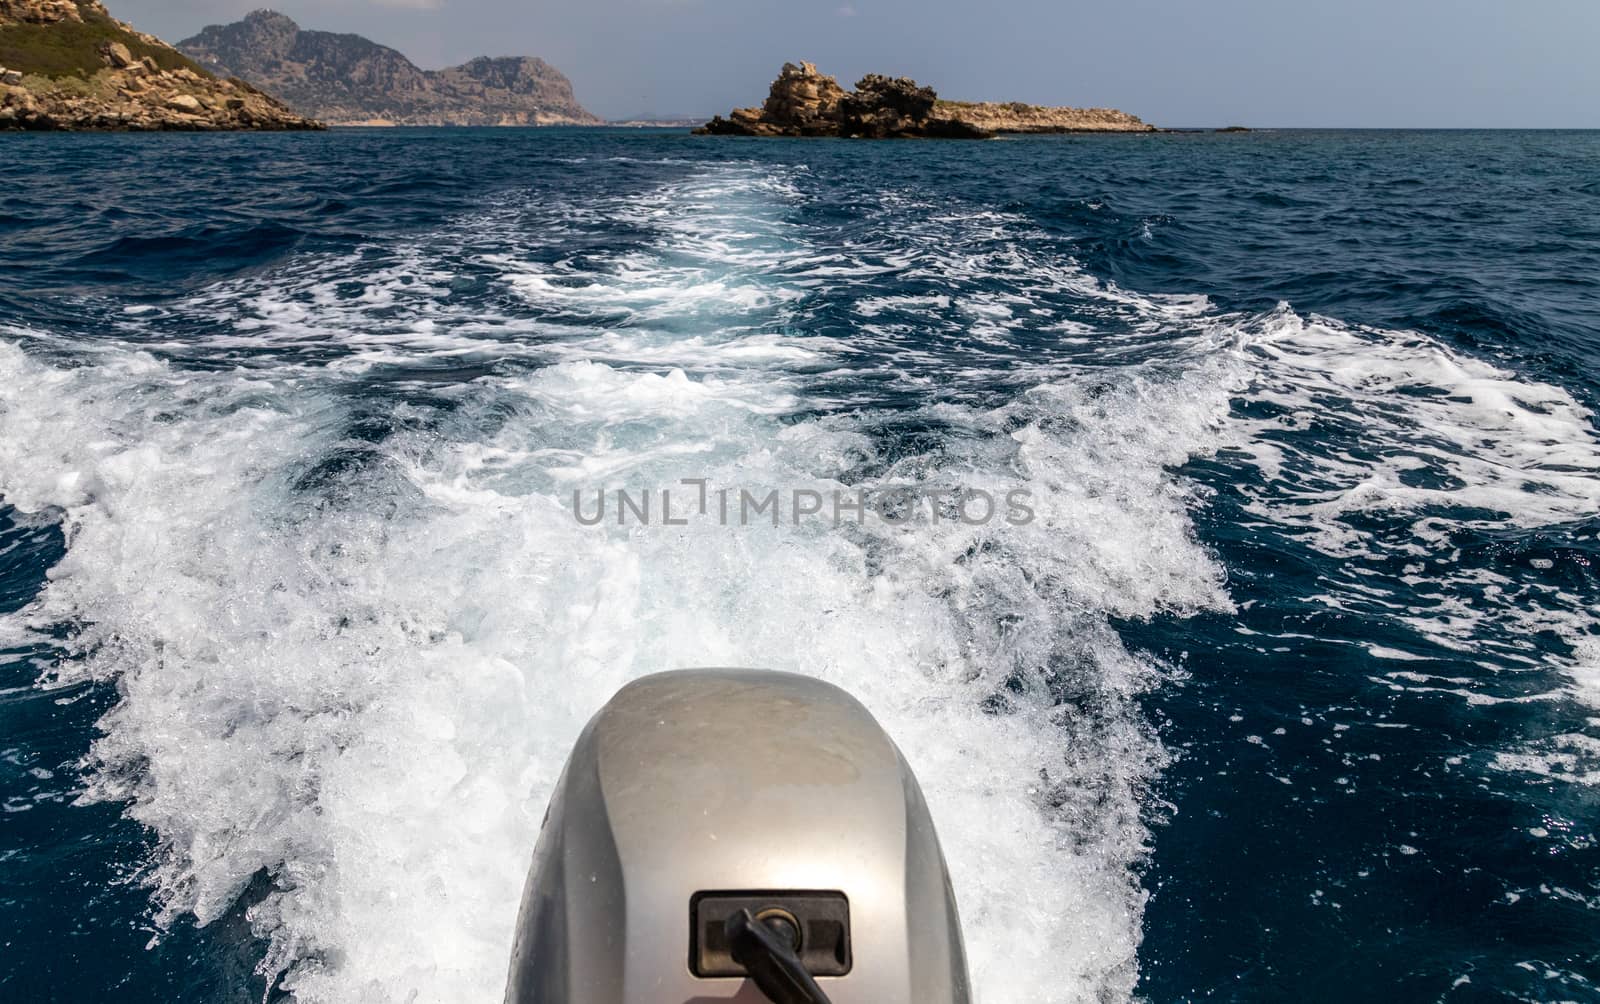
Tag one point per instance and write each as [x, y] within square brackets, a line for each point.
[1515, 447]
[1394, 425]
[374, 709]
[367, 685]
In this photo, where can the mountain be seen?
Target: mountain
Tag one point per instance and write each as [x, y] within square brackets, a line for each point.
[68, 64]
[351, 80]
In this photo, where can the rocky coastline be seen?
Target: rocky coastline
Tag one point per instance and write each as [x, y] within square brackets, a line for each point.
[1016, 117]
[806, 102]
[69, 65]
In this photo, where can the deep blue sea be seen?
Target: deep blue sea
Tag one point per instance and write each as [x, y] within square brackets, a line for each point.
[1290, 690]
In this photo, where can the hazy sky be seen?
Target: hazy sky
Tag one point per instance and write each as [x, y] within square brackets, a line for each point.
[1174, 62]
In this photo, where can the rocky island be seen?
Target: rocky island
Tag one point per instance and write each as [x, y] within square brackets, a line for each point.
[68, 64]
[806, 102]
[350, 80]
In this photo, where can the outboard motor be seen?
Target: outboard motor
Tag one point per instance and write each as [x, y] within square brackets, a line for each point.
[737, 835]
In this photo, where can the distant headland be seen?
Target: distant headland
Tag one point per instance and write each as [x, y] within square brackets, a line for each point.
[68, 64]
[346, 79]
[806, 102]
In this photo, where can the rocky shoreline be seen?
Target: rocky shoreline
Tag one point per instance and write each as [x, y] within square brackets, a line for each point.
[69, 65]
[806, 102]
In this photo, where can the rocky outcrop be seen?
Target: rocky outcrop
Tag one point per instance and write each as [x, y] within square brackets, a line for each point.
[801, 102]
[44, 11]
[67, 64]
[351, 80]
[1016, 117]
[806, 102]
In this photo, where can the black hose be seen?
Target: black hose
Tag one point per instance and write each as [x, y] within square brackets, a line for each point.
[766, 950]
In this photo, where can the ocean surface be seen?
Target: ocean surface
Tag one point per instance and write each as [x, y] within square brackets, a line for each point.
[1290, 690]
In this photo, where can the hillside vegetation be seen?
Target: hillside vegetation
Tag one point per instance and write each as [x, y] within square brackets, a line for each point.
[72, 48]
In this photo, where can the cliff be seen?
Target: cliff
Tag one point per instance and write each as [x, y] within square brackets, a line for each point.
[1016, 117]
[68, 64]
[351, 80]
[804, 102]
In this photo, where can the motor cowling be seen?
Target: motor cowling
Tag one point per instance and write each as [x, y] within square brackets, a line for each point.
[713, 823]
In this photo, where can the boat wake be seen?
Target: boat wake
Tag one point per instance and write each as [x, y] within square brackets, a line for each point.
[321, 534]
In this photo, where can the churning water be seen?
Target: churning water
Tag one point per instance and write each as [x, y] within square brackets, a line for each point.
[1291, 687]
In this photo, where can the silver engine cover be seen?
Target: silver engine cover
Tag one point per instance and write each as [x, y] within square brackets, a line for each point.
[733, 781]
